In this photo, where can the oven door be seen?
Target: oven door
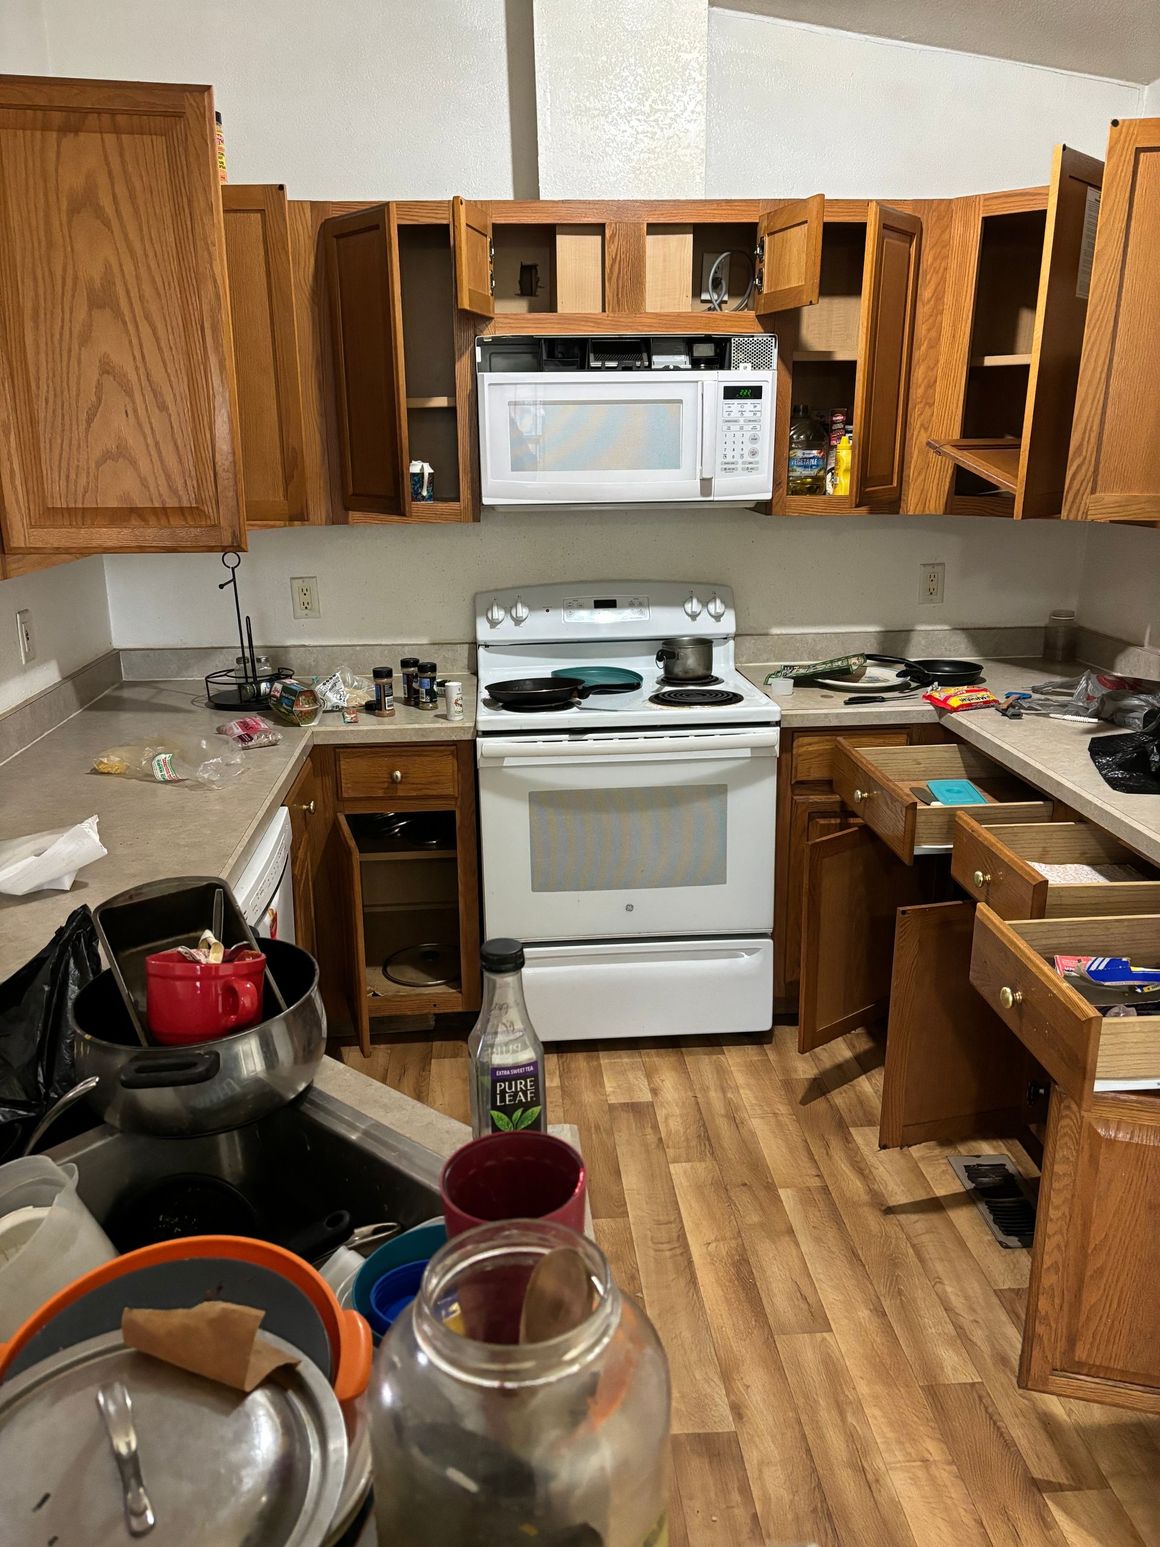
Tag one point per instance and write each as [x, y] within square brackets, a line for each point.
[586, 437]
[648, 834]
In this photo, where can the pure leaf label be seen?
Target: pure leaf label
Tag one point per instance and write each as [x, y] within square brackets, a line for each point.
[517, 1098]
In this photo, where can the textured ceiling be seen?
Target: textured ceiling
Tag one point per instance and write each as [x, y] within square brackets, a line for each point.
[1117, 38]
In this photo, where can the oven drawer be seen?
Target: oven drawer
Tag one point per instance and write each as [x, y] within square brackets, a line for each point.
[996, 865]
[1082, 1050]
[877, 783]
[371, 773]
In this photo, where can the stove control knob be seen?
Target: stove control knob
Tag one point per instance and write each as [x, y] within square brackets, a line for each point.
[495, 614]
[693, 607]
[520, 613]
[715, 608]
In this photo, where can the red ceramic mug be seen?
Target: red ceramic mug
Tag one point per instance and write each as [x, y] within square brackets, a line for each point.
[188, 1002]
[513, 1176]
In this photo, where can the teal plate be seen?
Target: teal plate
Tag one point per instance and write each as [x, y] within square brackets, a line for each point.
[613, 679]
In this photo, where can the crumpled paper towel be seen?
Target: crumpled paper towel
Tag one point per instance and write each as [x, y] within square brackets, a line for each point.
[48, 861]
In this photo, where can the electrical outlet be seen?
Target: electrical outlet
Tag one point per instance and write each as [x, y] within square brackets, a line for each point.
[931, 582]
[304, 596]
[25, 637]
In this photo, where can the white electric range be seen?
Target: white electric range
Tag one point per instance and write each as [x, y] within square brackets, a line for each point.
[628, 842]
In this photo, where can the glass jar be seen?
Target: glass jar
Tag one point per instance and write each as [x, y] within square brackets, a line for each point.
[482, 1441]
[1059, 636]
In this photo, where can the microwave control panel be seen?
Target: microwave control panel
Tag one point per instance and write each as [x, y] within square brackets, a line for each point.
[741, 425]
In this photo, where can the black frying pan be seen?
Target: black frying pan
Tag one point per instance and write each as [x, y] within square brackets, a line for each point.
[948, 674]
[538, 692]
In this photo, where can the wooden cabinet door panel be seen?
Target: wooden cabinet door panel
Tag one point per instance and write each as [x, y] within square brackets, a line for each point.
[1056, 344]
[302, 880]
[1113, 473]
[116, 386]
[362, 278]
[1093, 1317]
[265, 339]
[348, 879]
[885, 336]
[474, 257]
[952, 1068]
[789, 269]
[852, 891]
[811, 816]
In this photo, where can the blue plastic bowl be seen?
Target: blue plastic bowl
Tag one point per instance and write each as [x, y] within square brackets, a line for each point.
[393, 1293]
[416, 1245]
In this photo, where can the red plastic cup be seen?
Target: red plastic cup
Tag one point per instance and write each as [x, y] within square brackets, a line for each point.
[188, 1002]
[513, 1176]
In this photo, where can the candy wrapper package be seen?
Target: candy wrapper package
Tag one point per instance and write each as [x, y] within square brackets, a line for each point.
[198, 760]
[344, 689]
[250, 731]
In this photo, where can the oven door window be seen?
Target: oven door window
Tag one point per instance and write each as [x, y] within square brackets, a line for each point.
[628, 839]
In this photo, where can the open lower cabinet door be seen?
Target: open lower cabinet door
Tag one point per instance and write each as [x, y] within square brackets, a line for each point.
[1093, 1314]
[789, 261]
[346, 876]
[952, 1067]
[853, 889]
[474, 257]
[885, 336]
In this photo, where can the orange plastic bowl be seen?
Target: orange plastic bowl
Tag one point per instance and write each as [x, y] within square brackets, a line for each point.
[347, 1332]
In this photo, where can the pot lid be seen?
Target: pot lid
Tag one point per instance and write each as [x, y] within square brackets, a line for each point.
[220, 1468]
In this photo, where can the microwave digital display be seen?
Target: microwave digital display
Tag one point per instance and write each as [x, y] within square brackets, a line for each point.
[745, 393]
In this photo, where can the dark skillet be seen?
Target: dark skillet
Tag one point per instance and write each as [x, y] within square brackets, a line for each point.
[949, 674]
[538, 692]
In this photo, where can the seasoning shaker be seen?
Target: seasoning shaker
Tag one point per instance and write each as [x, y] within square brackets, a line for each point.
[409, 667]
[384, 681]
[426, 692]
[453, 699]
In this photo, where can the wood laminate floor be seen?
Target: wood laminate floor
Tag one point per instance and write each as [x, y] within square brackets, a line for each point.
[843, 1331]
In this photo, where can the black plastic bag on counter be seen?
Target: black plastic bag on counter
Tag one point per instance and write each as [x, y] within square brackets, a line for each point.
[1130, 764]
[36, 1030]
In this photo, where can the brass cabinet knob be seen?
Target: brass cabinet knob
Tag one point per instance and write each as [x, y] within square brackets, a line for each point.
[981, 878]
[861, 796]
[304, 805]
[397, 776]
[1010, 997]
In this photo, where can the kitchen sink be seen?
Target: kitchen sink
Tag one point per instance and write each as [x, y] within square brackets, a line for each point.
[295, 1167]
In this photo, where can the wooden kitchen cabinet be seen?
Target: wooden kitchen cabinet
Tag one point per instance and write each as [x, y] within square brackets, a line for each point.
[117, 405]
[1014, 311]
[265, 350]
[399, 892]
[1093, 1318]
[402, 354]
[1112, 470]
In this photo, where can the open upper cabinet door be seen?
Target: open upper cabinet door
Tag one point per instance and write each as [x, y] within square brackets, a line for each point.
[789, 261]
[853, 889]
[885, 335]
[474, 257]
[1073, 208]
[362, 281]
[1113, 473]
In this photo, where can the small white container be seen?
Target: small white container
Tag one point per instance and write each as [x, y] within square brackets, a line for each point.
[48, 1238]
[453, 700]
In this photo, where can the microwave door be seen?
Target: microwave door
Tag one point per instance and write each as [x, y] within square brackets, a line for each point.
[586, 438]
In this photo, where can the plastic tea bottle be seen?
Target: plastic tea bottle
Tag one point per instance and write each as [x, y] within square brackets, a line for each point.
[507, 1058]
[808, 444]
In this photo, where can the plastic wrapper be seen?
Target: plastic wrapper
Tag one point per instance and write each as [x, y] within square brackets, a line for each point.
[48, 862]
[1100, 695]
[36, 1034]
[251, 731]
[344, 689]
[198, 760]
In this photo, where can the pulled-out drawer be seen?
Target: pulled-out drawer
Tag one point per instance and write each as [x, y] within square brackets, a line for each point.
[997, 865]
[812, 756]
[374, 773]
[879, 784]
[1082, 1049]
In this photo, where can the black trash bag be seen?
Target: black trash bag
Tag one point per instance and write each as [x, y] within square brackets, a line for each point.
[1130, 763]
[36, 1029]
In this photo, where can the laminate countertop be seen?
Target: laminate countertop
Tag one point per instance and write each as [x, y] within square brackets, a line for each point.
[154, 830]
[1051, 754]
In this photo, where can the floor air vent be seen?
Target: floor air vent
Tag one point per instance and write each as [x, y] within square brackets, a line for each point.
[1003, 1197]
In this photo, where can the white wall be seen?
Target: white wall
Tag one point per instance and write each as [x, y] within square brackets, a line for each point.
[1120, 589]
[800, 109]
[70, 623]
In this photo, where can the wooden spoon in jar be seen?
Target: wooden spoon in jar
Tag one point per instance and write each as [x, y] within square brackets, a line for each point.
[558, 1297]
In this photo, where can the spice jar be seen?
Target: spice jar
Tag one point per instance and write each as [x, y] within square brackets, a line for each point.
[409, 667]
[384, 681]
[479, 1439]
[426, 691]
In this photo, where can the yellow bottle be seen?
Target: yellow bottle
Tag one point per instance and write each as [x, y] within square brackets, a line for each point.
[843, 458]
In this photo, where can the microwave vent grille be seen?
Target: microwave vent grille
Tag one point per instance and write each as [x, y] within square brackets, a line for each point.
[752, 353]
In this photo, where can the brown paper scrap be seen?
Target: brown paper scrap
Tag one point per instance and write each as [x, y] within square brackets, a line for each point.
[216, 1339]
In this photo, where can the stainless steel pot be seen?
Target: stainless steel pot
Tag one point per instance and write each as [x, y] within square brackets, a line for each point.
[207, 1087]
[687, 659]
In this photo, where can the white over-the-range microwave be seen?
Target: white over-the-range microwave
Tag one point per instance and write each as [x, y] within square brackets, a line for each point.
[587, 421]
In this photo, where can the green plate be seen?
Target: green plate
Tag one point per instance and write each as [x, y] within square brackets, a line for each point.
[611, 678]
